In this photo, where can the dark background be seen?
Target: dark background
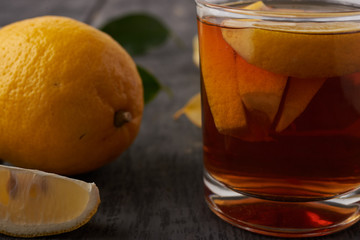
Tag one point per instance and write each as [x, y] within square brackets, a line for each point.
[154, 189]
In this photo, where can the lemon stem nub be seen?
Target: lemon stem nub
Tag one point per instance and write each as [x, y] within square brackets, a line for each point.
[121, 117]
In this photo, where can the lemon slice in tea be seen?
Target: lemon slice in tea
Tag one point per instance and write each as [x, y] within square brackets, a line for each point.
[301, 50]
[243, 99]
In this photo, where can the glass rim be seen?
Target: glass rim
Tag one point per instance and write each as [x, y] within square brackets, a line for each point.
[351, 15]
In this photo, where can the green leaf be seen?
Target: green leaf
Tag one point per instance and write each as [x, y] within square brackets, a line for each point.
[137, 33]
[150, 83]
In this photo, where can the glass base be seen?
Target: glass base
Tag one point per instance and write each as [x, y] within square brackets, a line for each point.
[282, 219]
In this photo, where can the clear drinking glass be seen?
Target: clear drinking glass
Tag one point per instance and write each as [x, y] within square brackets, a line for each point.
[280, 83]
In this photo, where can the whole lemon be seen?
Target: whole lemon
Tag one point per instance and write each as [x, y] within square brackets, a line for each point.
[71, 98]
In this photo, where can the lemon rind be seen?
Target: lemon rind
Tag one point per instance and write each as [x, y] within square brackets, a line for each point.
[38, 230]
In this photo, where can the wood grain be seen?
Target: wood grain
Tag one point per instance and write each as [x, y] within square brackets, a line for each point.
[154, 190]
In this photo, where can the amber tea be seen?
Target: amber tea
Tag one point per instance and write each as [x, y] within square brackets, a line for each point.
[281, 116]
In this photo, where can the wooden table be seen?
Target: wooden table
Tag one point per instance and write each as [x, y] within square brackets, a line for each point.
[153, 190]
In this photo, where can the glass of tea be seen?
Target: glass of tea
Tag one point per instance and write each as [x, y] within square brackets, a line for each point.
[280, 84]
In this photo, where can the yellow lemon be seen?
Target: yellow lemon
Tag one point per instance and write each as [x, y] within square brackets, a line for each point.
[35, 203]
[71, 98]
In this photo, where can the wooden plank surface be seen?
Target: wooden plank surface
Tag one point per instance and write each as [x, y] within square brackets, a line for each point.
[153, 190]
[11, 11]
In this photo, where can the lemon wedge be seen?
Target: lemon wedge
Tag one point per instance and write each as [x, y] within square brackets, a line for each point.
[301, 50]
[192, 110]
[35, 203]
[299, 94]
[243, 99]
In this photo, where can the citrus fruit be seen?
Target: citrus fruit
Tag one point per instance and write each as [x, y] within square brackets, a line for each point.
[192, 110]
[297, 97]
[259, 5]
[35, 203]
[71, 98]
[220, 84]
[219, 77]
[301, 50]
[243, 98]
[260, 91]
